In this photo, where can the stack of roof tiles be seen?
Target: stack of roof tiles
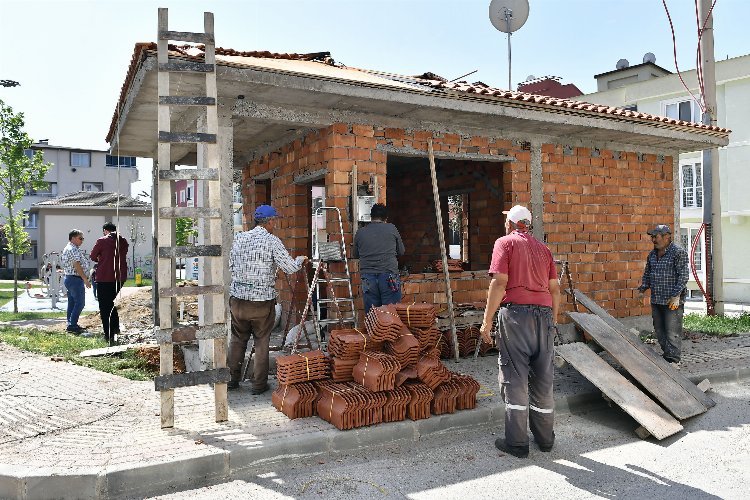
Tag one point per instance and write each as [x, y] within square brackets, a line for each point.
[295, 400]
[376, 371]
[467, 343]
[367, 385]
[302, 367]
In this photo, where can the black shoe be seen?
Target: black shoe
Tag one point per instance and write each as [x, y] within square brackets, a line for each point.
[516, 451]
[233, 385]
[259, 391]
[546, 448]
[75, 330]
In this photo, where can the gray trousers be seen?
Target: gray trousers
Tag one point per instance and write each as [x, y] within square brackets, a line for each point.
[254, 318]
[668, 329]
[526, 343]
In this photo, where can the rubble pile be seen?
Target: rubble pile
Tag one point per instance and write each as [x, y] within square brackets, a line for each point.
[388, 373]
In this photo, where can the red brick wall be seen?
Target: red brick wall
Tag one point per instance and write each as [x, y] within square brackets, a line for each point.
[597, 207]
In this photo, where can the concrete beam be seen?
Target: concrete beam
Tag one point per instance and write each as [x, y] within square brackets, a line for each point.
[442, 155]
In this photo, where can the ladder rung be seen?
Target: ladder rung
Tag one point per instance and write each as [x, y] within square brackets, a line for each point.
[217, 376]
[329, 301]
[190, 333]
[187, 67]
[178, 100]
[192, 212]
[190, 251]
[180, 137]
[190, 174]
[186, 36]
[181, 291]
[337, 320]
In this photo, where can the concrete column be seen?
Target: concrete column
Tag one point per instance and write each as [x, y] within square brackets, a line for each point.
[537, 191]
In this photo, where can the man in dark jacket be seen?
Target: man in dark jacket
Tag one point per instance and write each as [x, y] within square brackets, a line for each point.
[110, 253]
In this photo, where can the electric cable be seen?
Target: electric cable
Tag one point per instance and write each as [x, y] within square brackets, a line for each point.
[674, 47]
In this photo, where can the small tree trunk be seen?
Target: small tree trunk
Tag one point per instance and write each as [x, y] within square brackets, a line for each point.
[15, 283]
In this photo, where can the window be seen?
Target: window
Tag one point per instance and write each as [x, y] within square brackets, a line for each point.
[189, 193]
[49, 190]
[29, 153]
[631, 107]
[182, 196]
[31, 254]
[80, 159]
[30, 220]
[686, 110]
[687, 235]
[120, 161]
[92, 186]
[458, 225]
[691, 185]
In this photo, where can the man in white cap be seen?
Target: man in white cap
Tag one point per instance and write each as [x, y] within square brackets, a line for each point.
[524, 285]
[666, 274]
[255, 258]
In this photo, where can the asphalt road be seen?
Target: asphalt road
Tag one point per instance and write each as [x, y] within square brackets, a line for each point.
[597, 455]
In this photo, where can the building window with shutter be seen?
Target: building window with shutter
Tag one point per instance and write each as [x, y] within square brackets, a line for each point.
[691, 185]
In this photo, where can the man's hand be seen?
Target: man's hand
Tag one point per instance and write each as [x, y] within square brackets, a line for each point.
[86, 283]
[486, 332]
[674, 303]
[301, 259]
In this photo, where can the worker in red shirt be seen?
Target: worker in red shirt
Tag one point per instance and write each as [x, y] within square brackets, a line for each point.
[524, 286]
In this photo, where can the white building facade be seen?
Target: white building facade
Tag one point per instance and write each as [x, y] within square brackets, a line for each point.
[665, 95]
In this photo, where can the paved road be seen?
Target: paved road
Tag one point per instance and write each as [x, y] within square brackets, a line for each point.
[597, 456]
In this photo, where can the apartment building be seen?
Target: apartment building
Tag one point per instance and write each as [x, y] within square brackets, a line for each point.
[648, 88]
[73, 170]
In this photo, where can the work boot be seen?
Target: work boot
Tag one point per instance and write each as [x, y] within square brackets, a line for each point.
[255, 391]
[233, 385]
[516, 451]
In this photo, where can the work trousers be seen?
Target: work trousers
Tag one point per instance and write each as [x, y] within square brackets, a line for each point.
[76, 299]
[668, 329]
[256, 318]
[107, 291]
[526, 343]
[380, 289]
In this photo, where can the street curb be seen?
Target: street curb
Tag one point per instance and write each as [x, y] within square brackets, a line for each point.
[224, 464]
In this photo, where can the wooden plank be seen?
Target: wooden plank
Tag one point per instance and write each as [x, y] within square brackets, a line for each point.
[189, 174]
[635, 341]
[664, 389]
[107, 351]
[181, 291]
[181, 137]
[165, 382]
[636, 404]
[186, 67]
[179, 100]
[191, 333]
[186, 36]
[190, 251]
[192, 212]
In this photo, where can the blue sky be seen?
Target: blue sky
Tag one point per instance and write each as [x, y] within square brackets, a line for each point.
[71, 56]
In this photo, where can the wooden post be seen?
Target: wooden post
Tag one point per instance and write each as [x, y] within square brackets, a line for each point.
[443, 255]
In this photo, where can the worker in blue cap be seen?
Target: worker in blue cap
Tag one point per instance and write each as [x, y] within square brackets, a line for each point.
[254, 260]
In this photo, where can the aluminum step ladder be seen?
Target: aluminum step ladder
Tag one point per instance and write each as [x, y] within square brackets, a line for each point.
[337, 307]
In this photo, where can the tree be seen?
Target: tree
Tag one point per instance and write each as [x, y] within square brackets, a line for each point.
[18, 172]
[184, 230]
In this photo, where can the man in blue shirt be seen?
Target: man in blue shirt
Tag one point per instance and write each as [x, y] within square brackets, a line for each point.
[666, 275]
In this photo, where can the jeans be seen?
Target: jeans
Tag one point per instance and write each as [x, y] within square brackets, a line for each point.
[76, 299]
[668, 329]
[380, 289]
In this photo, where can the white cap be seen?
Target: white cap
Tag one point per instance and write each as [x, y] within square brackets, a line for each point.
[517, 213]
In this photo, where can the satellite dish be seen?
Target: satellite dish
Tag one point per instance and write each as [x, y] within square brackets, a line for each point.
[649, 57]
[509, 15]
[622, 64]
[530, 77]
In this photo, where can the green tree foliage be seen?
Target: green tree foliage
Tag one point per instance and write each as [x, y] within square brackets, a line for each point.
[18, 172]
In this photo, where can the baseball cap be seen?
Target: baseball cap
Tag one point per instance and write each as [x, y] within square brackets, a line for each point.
[265, 211]
[659, 229]
[518, 213]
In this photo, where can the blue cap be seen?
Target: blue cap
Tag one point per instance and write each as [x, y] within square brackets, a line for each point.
[265, 211]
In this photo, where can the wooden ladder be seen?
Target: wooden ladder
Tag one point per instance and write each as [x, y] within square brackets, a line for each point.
[211, 292]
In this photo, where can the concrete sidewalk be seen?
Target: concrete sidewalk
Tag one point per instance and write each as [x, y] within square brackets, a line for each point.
[71, 432]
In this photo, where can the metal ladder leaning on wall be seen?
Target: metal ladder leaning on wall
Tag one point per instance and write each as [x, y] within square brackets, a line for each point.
[324, 253]
[211, 291]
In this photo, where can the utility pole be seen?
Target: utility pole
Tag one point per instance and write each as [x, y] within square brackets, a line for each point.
[711, 178]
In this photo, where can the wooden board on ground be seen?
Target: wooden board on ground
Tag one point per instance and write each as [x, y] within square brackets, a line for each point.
[108, 351]
[669, 393]
[665, 367]
[636, 404]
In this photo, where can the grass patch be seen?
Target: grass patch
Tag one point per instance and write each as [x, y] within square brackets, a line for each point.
[144, 282]
[11, 316]
[68, 346]
[717, 325]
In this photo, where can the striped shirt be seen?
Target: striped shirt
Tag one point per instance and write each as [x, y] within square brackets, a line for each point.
[667, 275]
[70, 254]
[254, 260]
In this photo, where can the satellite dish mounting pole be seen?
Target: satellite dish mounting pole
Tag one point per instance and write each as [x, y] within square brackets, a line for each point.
[508, 17]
